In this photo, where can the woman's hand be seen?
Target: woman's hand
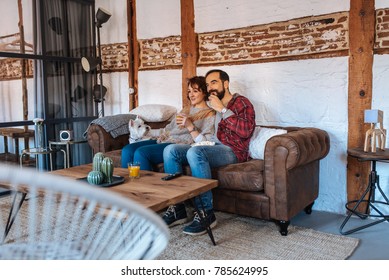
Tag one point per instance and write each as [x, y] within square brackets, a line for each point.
[182, 120]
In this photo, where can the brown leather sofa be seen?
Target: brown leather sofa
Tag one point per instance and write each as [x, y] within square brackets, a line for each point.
[276, 188]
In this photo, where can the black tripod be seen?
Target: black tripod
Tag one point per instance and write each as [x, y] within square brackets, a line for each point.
[370, 202]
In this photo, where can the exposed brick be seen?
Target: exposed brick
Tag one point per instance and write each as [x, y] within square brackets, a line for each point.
[383, 34]
[342, 19]
[332, 27]
[160, 52]
[270, 48]
[264, 54]
[267, 36]
[277, 28]
[295, 45]
[254, 32]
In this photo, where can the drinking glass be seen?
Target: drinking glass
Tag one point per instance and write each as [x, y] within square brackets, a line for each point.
[133, 170]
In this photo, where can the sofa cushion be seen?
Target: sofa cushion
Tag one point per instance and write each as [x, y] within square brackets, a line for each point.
[244, 176]
[154, 112]
[258, 141]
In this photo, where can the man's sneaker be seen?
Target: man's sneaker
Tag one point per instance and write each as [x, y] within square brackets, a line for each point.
[197, 227]
[175, 215]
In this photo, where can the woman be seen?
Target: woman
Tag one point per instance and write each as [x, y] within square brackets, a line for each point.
[192, 124]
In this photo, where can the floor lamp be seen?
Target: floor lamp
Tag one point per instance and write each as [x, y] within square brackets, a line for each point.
[91, 63]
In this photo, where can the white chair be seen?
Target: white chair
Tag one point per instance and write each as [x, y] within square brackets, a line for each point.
[61, 218]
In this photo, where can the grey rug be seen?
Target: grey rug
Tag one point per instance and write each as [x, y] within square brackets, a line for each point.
[243, 238]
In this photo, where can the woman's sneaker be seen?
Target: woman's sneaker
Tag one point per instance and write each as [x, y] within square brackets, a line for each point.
[175, 215]
[197, 227]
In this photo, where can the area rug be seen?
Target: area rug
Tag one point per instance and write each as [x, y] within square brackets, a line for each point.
[243, 238]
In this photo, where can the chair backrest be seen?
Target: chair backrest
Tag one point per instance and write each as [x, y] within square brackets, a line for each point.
[53, 217]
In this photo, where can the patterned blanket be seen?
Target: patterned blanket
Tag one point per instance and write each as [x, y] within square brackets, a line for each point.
[115, 125]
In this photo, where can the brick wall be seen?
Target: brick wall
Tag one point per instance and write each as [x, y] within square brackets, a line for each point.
[382, 29]
[10, 69]
[160, 52]
[308, 35]
[115, 57]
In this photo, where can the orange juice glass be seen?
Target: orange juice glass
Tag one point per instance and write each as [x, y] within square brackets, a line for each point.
[133, 170]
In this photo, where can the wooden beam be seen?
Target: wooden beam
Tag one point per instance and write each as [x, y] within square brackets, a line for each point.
[361, 39]
[188, 45]
[133, 54]
[23, 63]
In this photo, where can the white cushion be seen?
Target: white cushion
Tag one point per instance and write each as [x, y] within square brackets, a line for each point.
[259, 139]
[154, 112]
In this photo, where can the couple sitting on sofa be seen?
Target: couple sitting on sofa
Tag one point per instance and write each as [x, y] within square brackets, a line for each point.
[226, 119]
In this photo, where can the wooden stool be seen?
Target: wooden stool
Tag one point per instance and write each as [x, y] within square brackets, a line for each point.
[16, 133]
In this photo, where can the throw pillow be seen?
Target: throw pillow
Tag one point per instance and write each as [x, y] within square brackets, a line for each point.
[154, 112]
[259, 139]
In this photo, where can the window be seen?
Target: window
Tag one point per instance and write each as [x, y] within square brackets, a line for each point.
[41, 44]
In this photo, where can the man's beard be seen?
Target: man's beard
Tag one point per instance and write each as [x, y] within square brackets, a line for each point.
[219, 94]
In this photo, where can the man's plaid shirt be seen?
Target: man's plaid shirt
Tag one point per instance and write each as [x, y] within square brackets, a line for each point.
[236, 130]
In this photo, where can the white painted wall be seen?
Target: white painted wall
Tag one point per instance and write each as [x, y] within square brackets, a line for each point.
[158, 18]
[381, 101]
[212, 15]
[298, 93]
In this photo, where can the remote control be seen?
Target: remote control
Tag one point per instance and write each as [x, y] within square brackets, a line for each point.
[171, 176]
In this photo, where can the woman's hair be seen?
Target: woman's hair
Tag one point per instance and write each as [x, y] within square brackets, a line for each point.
[198, 81]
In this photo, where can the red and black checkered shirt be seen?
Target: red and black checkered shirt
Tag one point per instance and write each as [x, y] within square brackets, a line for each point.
[236, 130]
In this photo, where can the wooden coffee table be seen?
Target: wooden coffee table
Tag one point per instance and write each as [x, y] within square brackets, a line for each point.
[149, 190]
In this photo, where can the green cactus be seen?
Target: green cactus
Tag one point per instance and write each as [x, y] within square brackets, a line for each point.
[97, 160]
[95, 177]
[107, 169]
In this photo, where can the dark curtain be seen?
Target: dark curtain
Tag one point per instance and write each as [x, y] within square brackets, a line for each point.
[65, 33]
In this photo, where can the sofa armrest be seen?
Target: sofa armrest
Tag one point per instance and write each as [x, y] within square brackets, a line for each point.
[297, 147]
[291, 166]
[101, 141]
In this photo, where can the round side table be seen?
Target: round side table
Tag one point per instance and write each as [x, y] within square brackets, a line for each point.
[368, 199]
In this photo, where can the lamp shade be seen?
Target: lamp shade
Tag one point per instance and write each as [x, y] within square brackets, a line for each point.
[55, 24]
[78, 94]
[373, 116]
[99, 92]
[102, 16]
[90, 63]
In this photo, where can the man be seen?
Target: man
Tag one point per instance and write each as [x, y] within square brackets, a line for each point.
[234, 126]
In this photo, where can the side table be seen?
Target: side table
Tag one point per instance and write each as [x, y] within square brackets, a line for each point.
[67, 144]
[16, 133]
[368, 197]
[42, 151]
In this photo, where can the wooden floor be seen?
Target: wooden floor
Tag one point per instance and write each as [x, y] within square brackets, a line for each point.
[374, 241]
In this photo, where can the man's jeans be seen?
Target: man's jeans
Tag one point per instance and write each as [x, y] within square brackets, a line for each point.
[201, 160]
